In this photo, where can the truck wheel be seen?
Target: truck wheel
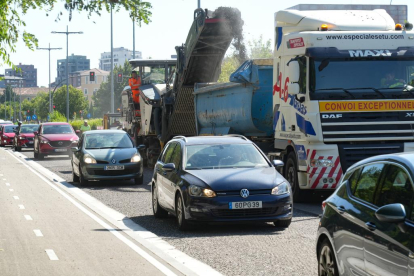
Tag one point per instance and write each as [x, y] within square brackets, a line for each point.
[291, 175]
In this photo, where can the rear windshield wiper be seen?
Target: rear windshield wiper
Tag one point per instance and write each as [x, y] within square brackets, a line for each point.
[374, 89]
[342, 89]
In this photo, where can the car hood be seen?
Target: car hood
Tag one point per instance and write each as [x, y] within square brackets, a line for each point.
[236, 179]
[110, 154]
[27, 135]
[10, 135]
[60, 137]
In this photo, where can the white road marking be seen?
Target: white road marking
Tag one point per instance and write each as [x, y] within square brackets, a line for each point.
[168, 253]
[11, 190]
[38, 233]
[7, 184]
[15, 197]
[21, 207]
[27, 217]
[1, 174]
[52, 255]
[4, 179]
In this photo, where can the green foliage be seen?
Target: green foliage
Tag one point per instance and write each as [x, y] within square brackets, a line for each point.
[56, 116]
[77, 100]
[102, 98]
[257, 49]
[9, 92]
[12, 14]
[76, 124]
[41, 104]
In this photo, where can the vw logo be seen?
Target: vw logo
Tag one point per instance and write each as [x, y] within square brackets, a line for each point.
[60, 143]
[244, 193]
[113, 161]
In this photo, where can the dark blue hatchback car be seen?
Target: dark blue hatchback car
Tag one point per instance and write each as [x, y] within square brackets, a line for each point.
[367, 226]
[219, 179]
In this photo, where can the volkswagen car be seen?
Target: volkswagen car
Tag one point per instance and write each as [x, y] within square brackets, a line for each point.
[24, 137]
[367, 224]
[54, 139]
[7, 134]
[219, 179]
[106, 155]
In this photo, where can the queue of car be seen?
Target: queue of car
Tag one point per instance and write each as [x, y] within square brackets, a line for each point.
[367, 224]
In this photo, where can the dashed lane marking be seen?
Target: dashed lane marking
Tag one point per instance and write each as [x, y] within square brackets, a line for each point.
[15, 197]
[7, 184]
[52, 255]
[27, 217]
[38, 233]
[11, 190]
[21, 207]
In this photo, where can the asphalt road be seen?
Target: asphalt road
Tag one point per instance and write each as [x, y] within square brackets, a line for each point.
[245, 249]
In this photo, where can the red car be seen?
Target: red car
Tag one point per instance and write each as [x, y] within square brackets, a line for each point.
[24, 137]
[54, 139]
[7, 134]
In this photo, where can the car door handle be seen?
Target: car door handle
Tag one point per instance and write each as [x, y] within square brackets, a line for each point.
[371, 226]
[341, 209]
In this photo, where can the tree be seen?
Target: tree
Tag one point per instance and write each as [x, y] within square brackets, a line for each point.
[10, 95]
[12, 13]
[77, 101]
[41, 104]
[101, 99]
[260, 49]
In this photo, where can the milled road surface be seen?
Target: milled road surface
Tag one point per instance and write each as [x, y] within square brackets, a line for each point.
[244, 249]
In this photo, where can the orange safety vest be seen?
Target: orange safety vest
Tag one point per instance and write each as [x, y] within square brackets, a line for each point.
[135, 84]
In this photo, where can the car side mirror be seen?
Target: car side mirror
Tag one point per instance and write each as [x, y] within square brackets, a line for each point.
[278, 163]
[169, 167]
[394, 213]
[141, 147]
[35, 132]
[75, 149]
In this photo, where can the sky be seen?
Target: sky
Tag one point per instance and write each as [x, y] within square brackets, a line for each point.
[169, 26]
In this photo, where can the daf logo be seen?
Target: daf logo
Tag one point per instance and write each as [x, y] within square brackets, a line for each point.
[113, 161]
[244, 193]
[331, 116]
[60, 143]
[409, 114]
[369, 53]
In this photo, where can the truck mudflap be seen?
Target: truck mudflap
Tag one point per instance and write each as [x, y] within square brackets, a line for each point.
[323, 177]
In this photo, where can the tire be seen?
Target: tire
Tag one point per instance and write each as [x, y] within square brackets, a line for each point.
[326, 260]
[157, 210]
[291, 175]
[183, 223]
[82, 180]
[75, 178]
[282, 223]
[139, 180]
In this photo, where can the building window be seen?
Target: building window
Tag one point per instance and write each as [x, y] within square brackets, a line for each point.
[85, 91]
[94, 91]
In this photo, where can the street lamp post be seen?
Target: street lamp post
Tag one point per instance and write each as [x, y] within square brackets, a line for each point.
[50, 99]
[112, 65]
[67, 33]
[133, 38]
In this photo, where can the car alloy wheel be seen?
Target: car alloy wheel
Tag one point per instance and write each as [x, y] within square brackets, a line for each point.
[183, 223]
[327, 266]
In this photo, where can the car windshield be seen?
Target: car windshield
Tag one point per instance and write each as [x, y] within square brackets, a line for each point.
[107, 140]
[9, 129]
[361, 78]
[29, 129]
[57, 129]
[224, 156]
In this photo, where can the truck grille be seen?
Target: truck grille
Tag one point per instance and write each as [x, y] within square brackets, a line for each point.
[367, 126]
[60, 144]
[243, 213]
[350, 154]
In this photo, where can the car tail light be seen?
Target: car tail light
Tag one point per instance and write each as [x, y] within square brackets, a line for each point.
[323, 206]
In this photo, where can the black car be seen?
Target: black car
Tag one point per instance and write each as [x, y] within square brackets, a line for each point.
[106, 155]
[367, 226]
[219, 179]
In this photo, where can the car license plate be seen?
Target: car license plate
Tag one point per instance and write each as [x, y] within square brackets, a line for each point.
[114, 168]
[245, 205]
[60, 150]
[30, 142]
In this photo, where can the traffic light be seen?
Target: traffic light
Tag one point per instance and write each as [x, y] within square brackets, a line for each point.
[54, 106]
[91, 76]
[119, 77]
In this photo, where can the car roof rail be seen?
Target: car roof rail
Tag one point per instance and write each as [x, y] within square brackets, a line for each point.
[237, 135]
[181, 137]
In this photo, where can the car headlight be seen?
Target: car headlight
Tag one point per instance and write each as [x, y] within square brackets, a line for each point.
[198, 191]
[281, 189]
[321, 163]
[74, 140]
[89, 159]
[44, 141]
[22, 138]
[136, 158]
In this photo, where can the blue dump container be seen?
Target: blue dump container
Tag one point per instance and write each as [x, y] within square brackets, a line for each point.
[243, 106]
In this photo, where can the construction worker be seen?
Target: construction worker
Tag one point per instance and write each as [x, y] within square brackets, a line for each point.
[135, 83]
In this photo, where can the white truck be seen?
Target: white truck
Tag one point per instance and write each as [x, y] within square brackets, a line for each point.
[342, 92]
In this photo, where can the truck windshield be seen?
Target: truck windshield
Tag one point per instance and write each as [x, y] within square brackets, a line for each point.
[154, 74]
[361, 78]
